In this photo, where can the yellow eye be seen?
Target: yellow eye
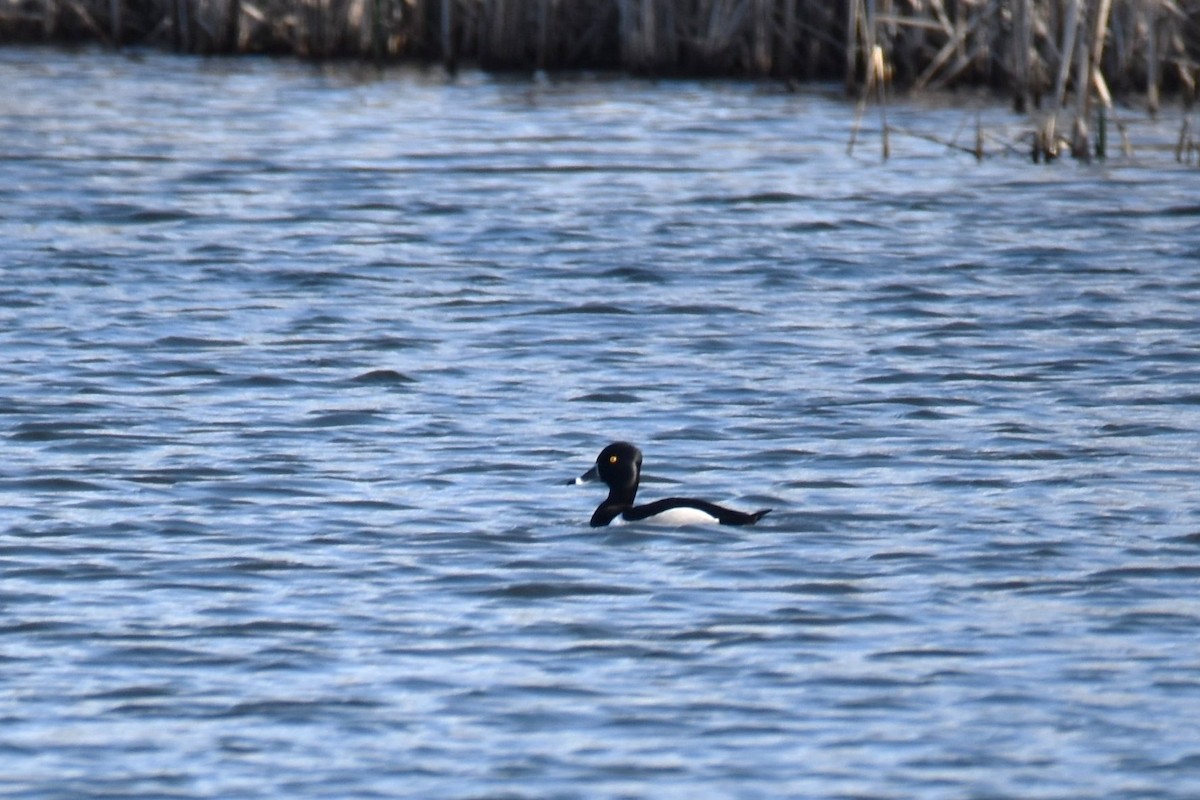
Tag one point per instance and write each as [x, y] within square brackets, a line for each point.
[612, 459]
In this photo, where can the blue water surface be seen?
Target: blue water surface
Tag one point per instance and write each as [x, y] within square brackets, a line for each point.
[296, 360]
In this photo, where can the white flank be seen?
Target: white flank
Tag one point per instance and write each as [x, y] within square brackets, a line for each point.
[682, 516]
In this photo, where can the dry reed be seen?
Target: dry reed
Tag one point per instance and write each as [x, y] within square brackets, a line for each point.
[1053, 57]
[1030, 48]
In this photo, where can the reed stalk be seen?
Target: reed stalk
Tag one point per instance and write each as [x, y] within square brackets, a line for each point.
[1185, 146]
[449, 52]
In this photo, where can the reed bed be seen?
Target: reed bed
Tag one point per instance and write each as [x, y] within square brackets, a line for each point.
[1033, 49]
[1050, 56]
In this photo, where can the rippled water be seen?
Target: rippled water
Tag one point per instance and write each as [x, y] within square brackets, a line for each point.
[295, 362]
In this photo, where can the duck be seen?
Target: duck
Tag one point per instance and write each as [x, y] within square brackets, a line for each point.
[619, 467]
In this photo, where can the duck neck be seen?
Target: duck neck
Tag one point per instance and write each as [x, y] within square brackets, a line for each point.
[619, 499]
[621, 495]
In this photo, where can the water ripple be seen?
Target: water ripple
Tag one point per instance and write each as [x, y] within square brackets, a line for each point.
[297, 362]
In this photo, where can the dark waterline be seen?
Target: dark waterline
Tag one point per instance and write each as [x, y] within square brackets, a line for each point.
[294, 365]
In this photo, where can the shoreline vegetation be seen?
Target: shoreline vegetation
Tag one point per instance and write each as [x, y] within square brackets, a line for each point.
[1049, 57]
